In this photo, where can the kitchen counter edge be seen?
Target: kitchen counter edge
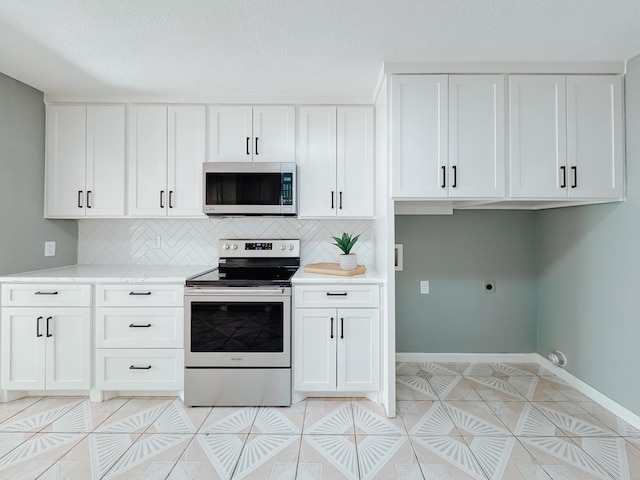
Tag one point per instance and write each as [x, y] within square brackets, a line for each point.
[96, 274]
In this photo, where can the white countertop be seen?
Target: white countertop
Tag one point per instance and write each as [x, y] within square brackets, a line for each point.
[303, 278]
[108, 274]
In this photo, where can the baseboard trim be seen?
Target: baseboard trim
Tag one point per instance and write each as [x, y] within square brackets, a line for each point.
[584, 388]
[468, 357]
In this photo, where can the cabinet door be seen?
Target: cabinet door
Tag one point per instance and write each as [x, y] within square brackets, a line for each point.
[314, 360]
[23, 349]
[355, 161]
[105, 161]
[274, 131]
[419, 125]
[358, 349]
[230, 134]
[537, 136]
[68, 348]
[317, 162]
[186, 145]
[147, 140]
[476, 136]
[595, 136]
[65, 167]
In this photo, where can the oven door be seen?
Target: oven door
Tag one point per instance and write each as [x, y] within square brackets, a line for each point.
[237, 327]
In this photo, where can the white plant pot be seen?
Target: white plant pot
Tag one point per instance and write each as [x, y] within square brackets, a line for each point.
[348, 261]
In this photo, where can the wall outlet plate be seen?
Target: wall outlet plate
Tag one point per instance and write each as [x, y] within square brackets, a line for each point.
[49, 249]
[424, 287]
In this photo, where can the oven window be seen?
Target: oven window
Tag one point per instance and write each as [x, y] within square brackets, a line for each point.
[237, 327]
[243, 188]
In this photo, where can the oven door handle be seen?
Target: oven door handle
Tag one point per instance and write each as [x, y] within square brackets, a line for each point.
[235, 291]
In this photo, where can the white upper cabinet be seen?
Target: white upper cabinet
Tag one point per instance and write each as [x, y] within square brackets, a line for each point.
[246, 134]
[537, 136]
[419, 135]
[85, 161]
[566, 137]
[595, 137]
[186, 154]
[166, 151]
[447, 135]
[335, 161]
[476, 136]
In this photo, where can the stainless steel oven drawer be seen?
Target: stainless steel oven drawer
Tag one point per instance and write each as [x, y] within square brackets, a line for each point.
[237, 387]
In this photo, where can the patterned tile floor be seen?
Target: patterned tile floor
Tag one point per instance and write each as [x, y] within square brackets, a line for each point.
[455, 421]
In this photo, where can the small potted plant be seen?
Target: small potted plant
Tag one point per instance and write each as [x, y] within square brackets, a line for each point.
[348, 260]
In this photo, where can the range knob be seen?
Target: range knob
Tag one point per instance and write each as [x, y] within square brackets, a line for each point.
[283, 247]
[234, 246]
[225, 246]
[291, 247]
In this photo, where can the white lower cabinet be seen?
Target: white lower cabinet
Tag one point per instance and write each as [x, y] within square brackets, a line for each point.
[46, 348]
[336, 349]
[139, 337]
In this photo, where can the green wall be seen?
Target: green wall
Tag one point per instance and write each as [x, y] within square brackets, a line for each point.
[23, 229]
[589, 278]
[457, 253]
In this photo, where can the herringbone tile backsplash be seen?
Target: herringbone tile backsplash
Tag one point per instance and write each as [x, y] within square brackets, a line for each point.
[195, 242]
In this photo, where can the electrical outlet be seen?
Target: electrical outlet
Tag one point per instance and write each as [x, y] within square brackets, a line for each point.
[49, 249]
[157, 242]
[424, 287]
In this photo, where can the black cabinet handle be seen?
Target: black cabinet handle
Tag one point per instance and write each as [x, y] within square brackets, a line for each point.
[332, 199]
[170, 198]
[161, 198]
[444, 177]
[133, 325]
[256, 145]
[343, 294]
[341, 327]
[79, 198]
[340, 201]
[139, 293]
[574, 169]
[455, 176]
[48, 320]
[133, 367]
[38, 334]
[248, 140]
[88, 198]
[564, 177]
[331, 327]
[45, 293]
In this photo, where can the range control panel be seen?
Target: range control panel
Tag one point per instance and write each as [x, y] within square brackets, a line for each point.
[239, 247]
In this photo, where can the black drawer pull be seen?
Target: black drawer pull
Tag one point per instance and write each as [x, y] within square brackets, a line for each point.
[331, 327]
[139, 293]
[343, 294]
[133, 325]
[38, 334]
[45, 293]
[48, 320]
[133, 367]
[341, 327]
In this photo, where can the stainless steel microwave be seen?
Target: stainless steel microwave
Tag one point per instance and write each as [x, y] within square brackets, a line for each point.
[258, 188]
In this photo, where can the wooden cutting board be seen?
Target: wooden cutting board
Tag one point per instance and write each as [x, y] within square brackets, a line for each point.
[333, 269]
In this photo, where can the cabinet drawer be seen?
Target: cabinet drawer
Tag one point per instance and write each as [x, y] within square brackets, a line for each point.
[358, 296]
[128, 369]
[134, 327]
[139, 295]
[51, 295]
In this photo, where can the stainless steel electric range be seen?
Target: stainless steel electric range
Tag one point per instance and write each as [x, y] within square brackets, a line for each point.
[238, 326]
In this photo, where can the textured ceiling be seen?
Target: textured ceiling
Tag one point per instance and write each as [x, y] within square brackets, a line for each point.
[290, 47]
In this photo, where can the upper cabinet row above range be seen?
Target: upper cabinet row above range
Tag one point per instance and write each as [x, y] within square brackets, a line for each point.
[114, 161]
